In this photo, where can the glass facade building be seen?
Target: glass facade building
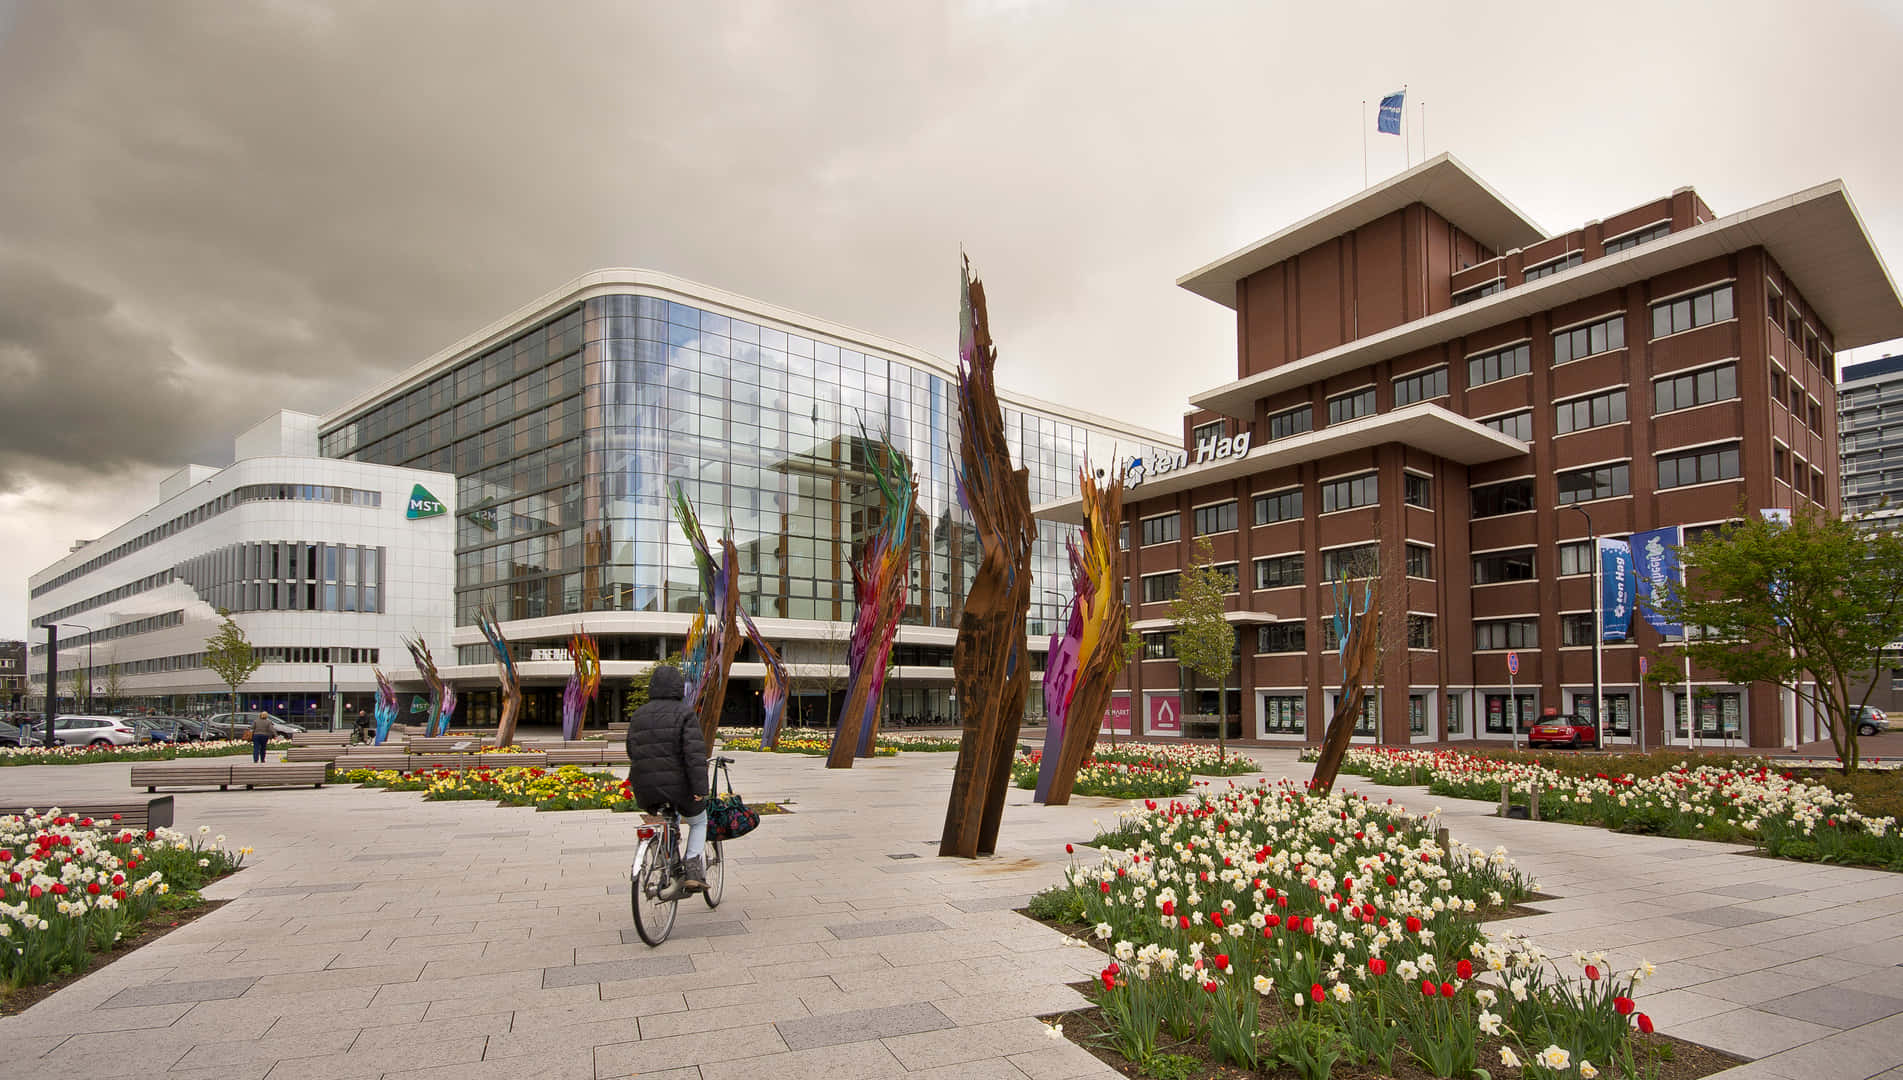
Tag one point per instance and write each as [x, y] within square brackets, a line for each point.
[569, 430]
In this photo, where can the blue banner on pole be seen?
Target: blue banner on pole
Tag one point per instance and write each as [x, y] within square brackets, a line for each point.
[1388, 120]
[1615, 589]
[1656, 556]
[1780, 517]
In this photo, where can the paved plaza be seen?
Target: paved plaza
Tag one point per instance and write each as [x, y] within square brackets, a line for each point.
[375, 935]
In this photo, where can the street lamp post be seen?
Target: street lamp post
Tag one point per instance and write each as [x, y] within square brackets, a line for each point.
[1598, 633]
[333, 695]
[52, 676]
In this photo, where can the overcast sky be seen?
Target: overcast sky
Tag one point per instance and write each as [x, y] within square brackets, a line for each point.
[209, 211]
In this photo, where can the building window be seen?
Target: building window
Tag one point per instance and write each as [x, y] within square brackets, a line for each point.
[1816, 418]
[1350, 405]
[1420, 386]
[1230, 573]
[1418, 490]
[1285, 714]
[1817, 486]
[1123, 536]
[1589, 340]
[1499, 364]
[1685, 312]
[1777, 385]
[1575, 628]
[1553, 266]
[1359, 561]
[1701, 466]
[1774, 305]
[1619, 715]
[1278, 506]
[1634, 239]
[1218, 518]
[1675, 392]
[1162, 529]
[1517, 425]
[1368, 723]
[1505, 712]
[1282, 637]
[1203, 433]
[1159, 588]
[1506, 497]
[1468, 296]
[1291, 422]
[1497, 566]
[1780, 463]
[1159, 646]
[1456, 715]
[1506, 634]
[1695, 533]
[1575, 558]
[1590, 412]
[1348, 493]
[1599, 482]
[1417, 714]
[1278, 572]
[1420, 561]
[1719, 714]
[1420, 631]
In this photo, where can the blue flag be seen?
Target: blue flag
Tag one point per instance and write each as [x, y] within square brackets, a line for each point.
[1388, 120]
[1615, 589]
[1781, 517]
[1656, 554]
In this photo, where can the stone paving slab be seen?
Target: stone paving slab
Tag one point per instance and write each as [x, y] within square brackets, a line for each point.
[164, 993]
[860, 1025]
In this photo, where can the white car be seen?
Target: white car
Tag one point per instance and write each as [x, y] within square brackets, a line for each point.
[94, 731]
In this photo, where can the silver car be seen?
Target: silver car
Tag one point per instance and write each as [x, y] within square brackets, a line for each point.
[94, 731]
[1871, 720]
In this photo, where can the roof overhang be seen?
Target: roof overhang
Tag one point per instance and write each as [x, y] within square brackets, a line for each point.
[1442, 182]
[1816, 236]
[1239, 618]
[1426, 426]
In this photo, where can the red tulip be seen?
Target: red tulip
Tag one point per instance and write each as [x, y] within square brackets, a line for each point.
[1645, 1023]
[1104, 887]
[1169, 907]
[1447, 989]
[1210, 986]
[1222, 961]
[1413, 924]
[1623, 1004]
[1428, 989]
[1464, 970]
[1315, 992]
[1592, 973]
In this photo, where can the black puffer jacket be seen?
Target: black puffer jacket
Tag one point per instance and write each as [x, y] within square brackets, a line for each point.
[667, 756]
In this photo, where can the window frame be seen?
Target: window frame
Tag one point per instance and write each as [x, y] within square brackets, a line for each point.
[1307, 426]
[1356, 394]
[1691, 297]
[1496, 353]
[1697, 452]
[1532, 505]
[1632, 238]
[1275, 496]
[1586, 327]
[1693, 373]
[1287, 628]
[1196, 515]
[1503, 554]
[1572, 404]
[1143, 529]
[1297, 560]
[1613, 466]
[1419, 379]
[1354, 479]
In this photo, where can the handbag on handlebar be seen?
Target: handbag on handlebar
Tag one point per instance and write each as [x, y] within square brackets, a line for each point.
[728, 816]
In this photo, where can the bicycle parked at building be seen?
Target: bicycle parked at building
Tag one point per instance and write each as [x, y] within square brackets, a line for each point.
[656, 883]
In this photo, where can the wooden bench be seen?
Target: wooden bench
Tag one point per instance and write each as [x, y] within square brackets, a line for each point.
[579, 755]
[375, 758]
[447, 744]
[321, 738]
[135, 814]
[313, 753]
[150, 775]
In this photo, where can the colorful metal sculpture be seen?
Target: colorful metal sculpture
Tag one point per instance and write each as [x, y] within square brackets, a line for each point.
[583, 683]
[386, 705]
[880, 578]
[714, 637]
[1083, 661]
[442, 701]
[508, 681]
[1360, 652]
[992, 669]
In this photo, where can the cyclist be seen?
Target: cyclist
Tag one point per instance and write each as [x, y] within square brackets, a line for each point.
[668, 765]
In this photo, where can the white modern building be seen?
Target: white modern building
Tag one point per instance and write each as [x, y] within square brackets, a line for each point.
[325, 564]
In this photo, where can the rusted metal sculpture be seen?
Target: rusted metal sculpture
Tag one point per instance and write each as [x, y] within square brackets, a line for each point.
[583, 682]
[879, 581]
[1357, 630]
[991, 668]
[442, 697]
[508, 681]
[1084, 658]
[714, 637]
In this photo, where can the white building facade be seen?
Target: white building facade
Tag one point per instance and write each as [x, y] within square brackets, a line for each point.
[325, 564]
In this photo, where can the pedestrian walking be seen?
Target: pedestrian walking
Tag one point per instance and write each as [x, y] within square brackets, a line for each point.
[262, 729]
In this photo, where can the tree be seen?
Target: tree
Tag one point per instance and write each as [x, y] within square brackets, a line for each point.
[113, 685]
[1132, 650]
[1812, 602]
[1205, 642]
[79, 683]
[229, 655]
[638, 685]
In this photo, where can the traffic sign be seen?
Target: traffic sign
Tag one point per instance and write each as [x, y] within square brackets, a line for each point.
[1513, 662]
[1644, 664]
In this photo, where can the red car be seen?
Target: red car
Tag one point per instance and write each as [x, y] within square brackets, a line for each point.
[1570, 730]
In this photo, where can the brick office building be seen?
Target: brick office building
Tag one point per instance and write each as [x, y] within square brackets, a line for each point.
[1428, 379]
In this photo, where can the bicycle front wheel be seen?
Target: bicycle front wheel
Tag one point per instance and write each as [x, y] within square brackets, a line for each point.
[716, 872]
[650, 880]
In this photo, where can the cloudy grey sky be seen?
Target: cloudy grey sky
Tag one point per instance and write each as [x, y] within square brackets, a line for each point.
[212, 210]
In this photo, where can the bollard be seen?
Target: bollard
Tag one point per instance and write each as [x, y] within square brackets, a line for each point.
[1506, 799]
[1445, 841]
[1534, 809]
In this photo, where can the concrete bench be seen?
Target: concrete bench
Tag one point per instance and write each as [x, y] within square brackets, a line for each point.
[321, 738]
[446, 744]
[150, 775]
[371, 758]
[421, 762]
[252, 774]
[314, 753]
[137, 815]
[580, 755]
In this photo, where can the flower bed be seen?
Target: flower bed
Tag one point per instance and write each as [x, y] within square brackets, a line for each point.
[568, 787]
[1268, 925]
[72, 887]
[89, 755]
[1131, 776]
[796, 743]
[1784, 814]
[1199, 758]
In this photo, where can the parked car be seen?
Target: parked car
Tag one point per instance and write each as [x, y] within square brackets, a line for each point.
[94, 731]
[11, 735]
[167, 729]
[1871, 720]
[1570, 730]
[238, 725]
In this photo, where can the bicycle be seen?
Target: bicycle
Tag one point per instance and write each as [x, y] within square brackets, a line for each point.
[654, 881]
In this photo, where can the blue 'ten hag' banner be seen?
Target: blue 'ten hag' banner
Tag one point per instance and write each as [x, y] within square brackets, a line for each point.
[1388, 120]
[1615, 589]
[1780, 517]
[1656, 556]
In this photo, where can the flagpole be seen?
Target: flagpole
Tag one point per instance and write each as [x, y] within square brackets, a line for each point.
[1423, 108]
[1407, 137]
[1364, 144]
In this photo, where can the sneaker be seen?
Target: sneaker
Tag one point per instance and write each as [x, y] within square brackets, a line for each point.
[694, 875]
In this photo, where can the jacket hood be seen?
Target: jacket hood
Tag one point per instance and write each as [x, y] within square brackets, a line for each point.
[666, 682]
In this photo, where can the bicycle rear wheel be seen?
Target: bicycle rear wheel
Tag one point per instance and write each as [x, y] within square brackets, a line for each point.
[650, 880]
[716, 872]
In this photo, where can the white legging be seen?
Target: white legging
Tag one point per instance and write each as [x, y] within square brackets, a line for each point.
[696, 834]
